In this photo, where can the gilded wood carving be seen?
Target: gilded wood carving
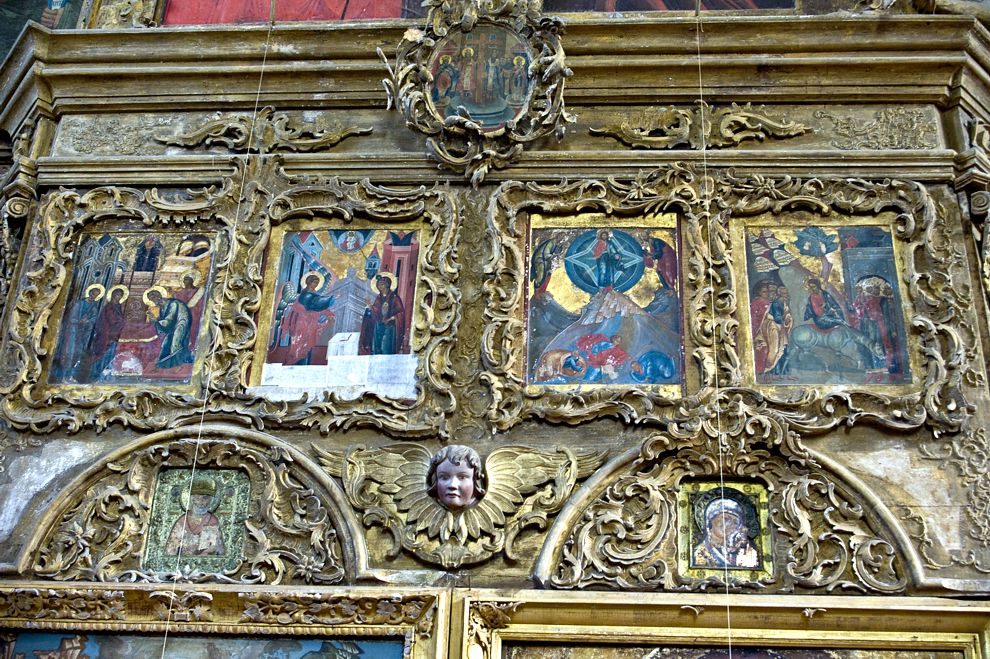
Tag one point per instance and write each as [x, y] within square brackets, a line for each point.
[132, 618]
[481, 82]
[403, 488]
[198, 509]
[171, 283]
[635, 531]
[909, 297]
[703, 128]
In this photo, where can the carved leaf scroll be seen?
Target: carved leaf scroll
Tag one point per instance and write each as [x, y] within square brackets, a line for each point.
[266, 132]
[289, 534]
[701, 127]
[627, 538]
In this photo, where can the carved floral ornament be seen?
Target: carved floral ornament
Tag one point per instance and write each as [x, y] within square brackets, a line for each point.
[483, 80]
[35, 396]
[707, 210]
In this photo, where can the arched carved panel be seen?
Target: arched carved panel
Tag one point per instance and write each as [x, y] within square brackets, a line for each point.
[637, 525]
[214, 503]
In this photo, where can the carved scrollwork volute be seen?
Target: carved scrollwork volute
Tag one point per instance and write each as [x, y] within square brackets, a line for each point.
[642, 528]
[263, 518]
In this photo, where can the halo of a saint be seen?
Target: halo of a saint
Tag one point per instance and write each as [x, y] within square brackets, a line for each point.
[387, 275]
[161, 291]
[320, 279]
[603, 258]
[96, 287]
[118, 287]
[195, 274]
[874, 285]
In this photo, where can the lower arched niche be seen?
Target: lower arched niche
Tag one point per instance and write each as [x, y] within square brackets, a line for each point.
[204, 503]
[735, 502]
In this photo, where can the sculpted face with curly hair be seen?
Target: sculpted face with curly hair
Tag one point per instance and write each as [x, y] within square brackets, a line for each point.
[456, 477]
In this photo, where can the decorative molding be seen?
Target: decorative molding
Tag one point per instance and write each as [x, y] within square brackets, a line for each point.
[266, 132]
[525, 488]
[320, 609]
[484, 618]
[70, 604]
[457, 140]
[891, 128]
[182, 606]
[701, 127]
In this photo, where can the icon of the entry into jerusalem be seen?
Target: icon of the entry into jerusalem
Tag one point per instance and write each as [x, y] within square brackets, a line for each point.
[197, 519]
[604, 303]
[134, 309]
[825, 306]
[342, 313]
[724, 526]
[485, 72]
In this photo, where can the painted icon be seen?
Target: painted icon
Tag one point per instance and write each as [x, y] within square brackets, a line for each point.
[483, 73]
[197, 519]
[724, 526]
[134, 309]
[825, 306]
[342, 313]
[604, 305]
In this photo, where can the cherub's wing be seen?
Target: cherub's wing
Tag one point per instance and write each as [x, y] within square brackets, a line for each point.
[515, 472]
[398, 471]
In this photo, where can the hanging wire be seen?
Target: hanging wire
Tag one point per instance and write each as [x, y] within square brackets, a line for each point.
[211, 359]
[706, 201]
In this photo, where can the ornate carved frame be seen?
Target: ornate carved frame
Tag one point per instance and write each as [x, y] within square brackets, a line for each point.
[416, 618]
[459, 142]
[935, 277]
[243, 213]
[493, 620]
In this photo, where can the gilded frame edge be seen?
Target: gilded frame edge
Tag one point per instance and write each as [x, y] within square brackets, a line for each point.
[486, 620]
[419, 616]
[29, 401]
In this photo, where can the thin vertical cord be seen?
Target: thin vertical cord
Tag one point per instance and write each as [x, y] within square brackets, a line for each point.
[211, 360]
[706, 201]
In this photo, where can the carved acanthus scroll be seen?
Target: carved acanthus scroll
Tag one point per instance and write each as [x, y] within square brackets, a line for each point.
[266, 132]
[701, 127]
[288, 535]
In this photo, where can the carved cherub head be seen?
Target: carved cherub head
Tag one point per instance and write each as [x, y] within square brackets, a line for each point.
[455, 477]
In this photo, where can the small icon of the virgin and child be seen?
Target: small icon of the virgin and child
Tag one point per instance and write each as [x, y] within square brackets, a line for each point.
[197, 532]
